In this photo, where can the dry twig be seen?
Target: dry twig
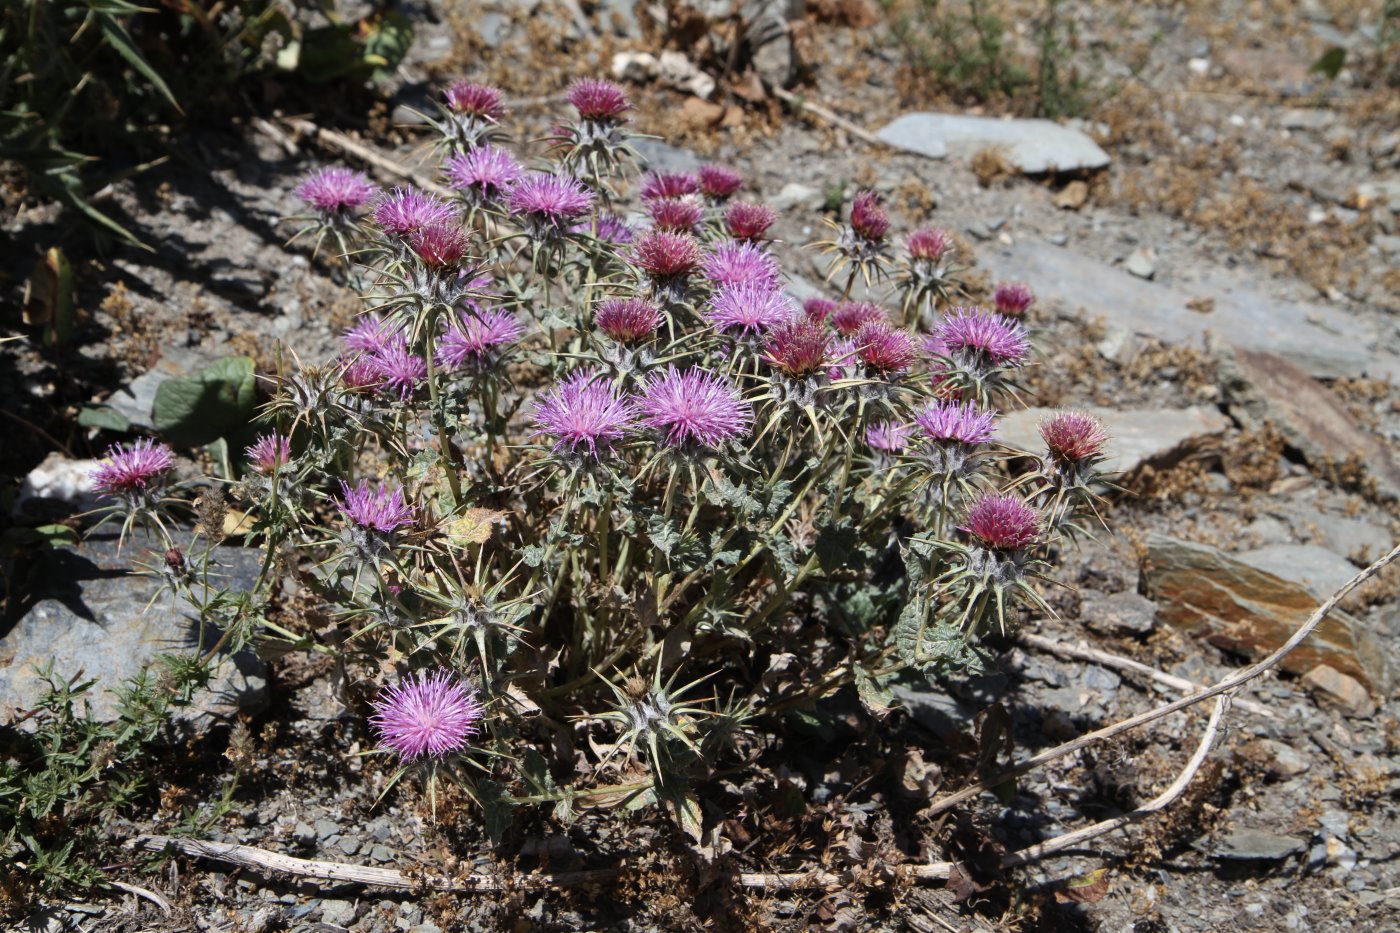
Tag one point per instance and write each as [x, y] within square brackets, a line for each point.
[835, 119]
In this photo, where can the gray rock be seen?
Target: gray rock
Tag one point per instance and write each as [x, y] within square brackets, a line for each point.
[135, 400]
[1326, 342]
[657, 156]
[1033, 146]
[349, 844]
[1155, 436]
[304, 834]
[381, 853]
[1322, 571]
[59, 479]
[325, 829]
[340, 913]
[796, 194]
[1256, 844]
[1127, 613]
[1387, 243]
[1101, 679]
[936, 711]
[92, 614]
[1141, 264]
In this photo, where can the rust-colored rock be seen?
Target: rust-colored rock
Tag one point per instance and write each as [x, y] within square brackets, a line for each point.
[1239, 608]
[1337, 688]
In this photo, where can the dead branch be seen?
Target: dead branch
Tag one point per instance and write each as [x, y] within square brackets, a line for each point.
[1118, 662]
[1242, 676]
[367, 154]
[835, 119]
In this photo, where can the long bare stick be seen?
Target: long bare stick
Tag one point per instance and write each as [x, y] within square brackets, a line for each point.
[1244, 675]
[367, 154]
[1105, 659]
[835, 119]
[1177, 788]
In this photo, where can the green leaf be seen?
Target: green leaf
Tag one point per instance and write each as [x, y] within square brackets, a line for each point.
[1330, 63]
[498, 810]
[119, 39]
[874, 692]
[219, 401]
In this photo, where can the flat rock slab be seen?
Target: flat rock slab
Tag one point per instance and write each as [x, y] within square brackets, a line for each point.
[1136, 436]
[1322, 341]
[1257, 844]
[1033, 146]
[1209, 594]
[1322, 571]
[93, 615]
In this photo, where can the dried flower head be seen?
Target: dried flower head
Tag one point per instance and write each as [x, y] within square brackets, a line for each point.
[850, 316]
[929, 244]
[868, 217]
[428, 715]
[1002, 522]
[888, 437]
[960, 422]
[583, 414]
[628, 320]
[1073, 437]
[484, 174]
[975, 335]
[336, 191]
[663, 255]
[1013, 299]
[476, 336]
[797, 346]
[734, 262]
[658, 185]
[693, 407]
[884, 350]
[746, 221]
[383, 509]
[404, 210]
[719, 182]
[548, 203]
[678, 215]
[439, 246]
[269, 452]
[474, 100]
[598, 100]
[748, 308]
[132, 470]
[818, 308]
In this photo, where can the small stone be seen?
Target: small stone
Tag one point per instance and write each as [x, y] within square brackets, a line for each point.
[60, 480]
[1127, 613]
[381, 853]
[1257, 844]
[325, 829]
[1058, 239]
[349, 845]
[634, 66]
[1073, 197]
[1032, 146]
[1278, 759]
[1142, 263]
[1387, 243]
[1199, 66]
[796, 194]
[1101, 680]
[701, 114]
[1342, 690]
[303, 834]
[340, 913]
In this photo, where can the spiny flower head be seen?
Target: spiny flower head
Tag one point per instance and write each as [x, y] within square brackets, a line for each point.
[475, 100]
[960, 422]
[885, 350]
[428, 715]
[360, 371]
[1002, 522]
[1013, 299]
[439, 246]
[693, 407]
[549, 201]
[610, 229]
[748, 308]
[383, 509]
[335, 190]
[598, 100]
[269, 452]
[583, 414]
[628, 320]
[818, 308]
[485, 172]
[404, 210]
[868, 217]
[662, 254]
[746, 221]
[889, 437]
[668, 185]
[476, 335]
[929, 244]
[678, 215]
[400, 370]
[720, 182]
[1073, 437]
[133, 469]
[851, 316]
[797, 346]
[371, 334]
[985, 334]
[734, 262]
[843, 358]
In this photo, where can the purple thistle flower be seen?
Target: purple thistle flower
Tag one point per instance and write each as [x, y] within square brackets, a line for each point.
[400, 370]
[1002, 522]
[383, 510]
[269, 452]
[885, 350]
[1073, 437]
[719, 182]
[843, 358]
[983, 334]
[475, 335]
[598, 100]
[746, 221]
[361, 372]
[371, 334]
[659, 185]
[818, 308]
[749, 308]
[797, 346]
[733, 262]
[1013, 299]
[549, 202]
[133, 469]
[951, 420]
[475, 100]
[628, 320]
[485, 172]
[428, 716]
[678, 215]
[868, 218]
[404, 210]
[693, 407]
[929, 244]
[611, 229]
[583, 412]
[850, 316]
[439, 246]
[889, 437]
[664, 255]
[336, 190]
